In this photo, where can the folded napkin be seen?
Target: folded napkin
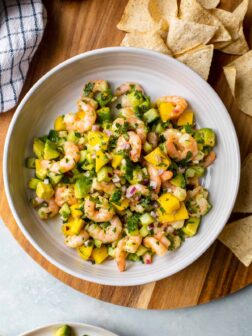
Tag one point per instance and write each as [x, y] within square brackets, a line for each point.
[22, 24]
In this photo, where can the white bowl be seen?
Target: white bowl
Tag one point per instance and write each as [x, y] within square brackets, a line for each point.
[56, 93]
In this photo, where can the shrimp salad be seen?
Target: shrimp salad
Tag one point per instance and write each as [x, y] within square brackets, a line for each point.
[123, 173]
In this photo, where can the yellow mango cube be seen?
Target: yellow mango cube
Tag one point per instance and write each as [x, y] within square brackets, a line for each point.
[66, 229]
[100, 254]
[59, 124]
[165, 111]
[101, 160]
[169, 202]
[116, 160]
[85, 251]
[186, 118]
[178, 215]
[76, 225]
[98, 139]
[122, 206]
[158, 159]
[75, 211]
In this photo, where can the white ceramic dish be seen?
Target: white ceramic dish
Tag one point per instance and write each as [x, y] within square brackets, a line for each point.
[56, 93]
[80, 329]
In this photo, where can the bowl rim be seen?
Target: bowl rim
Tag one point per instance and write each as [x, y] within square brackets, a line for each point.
[102, 51]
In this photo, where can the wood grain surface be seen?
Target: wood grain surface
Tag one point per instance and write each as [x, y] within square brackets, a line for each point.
[75, 26]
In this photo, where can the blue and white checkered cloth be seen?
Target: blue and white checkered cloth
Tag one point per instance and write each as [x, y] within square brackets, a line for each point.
[22, 24]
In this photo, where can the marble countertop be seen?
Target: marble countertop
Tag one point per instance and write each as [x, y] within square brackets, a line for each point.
[30, 297]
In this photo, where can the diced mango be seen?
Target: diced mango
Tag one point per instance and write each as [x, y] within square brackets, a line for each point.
[169, 203]
[186, 118]
[158, 159]
[59, 124]
[44, 191]
[96, 138]
[101, 160]
[99, 254]
[165, 110]
[116, 160]
[75, 211]
[180, 214]
[122, 206]
[73, 226]
[66, 229]
[85, 251]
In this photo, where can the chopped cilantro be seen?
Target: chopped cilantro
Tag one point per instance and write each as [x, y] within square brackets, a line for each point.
[132, 223]
[116, 196]
[88, 89]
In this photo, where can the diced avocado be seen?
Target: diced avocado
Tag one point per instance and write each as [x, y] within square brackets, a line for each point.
[205, 136]
[30, 163]
[40, 170]
[135, 98]
[44, 191]
[133, 257]
[191, 226]
[151, 115]
[50, 151]
[82, 187]
[178, 181]
[111, 252]
[97, 243]
[159, 128]
[104, 97]
[65, 211]
[147, 147]
[85, 251]
[104, 114]
[144, 231]
[100, 254]
[64, 331]
[53, 136]
[146, 219]
[146, 105]
[38, 148]
[141, 250]
[33, 183]
[83, 156]
[73, 137]
[55, 178]
[137, 176]
[59, 124]
[105, 174]
[197, 171]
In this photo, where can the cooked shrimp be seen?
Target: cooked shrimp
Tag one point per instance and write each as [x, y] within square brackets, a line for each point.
[120, 255]
[154, 177]
[209, 159]
[108, 234]
[137, 189]
[99, 86]
[152, 138]
[83, 120]
[107, 187]
[101, 215]
[197, 199]
[179, 104]
[126, 87]
[68, 162]
[126, 112]
[163, 239]
[65, 194]
[133, 143]
[179, 145]
[76, 240]
[49, 211]
[134, 124]
[166, 176]
[155, 245]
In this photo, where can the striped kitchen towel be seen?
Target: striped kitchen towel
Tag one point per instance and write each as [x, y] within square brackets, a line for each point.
[22, 24]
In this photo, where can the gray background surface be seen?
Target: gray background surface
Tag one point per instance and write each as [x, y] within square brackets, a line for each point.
[30, 297]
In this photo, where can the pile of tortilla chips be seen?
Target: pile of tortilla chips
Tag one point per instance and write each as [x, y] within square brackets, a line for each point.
[189, 32]
[238, 235]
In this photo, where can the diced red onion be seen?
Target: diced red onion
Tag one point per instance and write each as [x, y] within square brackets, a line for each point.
[108, 132]
[95, 128]
[150, 227]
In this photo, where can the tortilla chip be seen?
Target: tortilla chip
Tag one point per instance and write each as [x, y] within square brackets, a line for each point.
[237, 236]
[244, 199]
[238, 47]
[243, 85]
[230, 73]
[241, 10]
[208, 4]
[137, 17]
[163, 9]
[185, 35]
[191, 10]
[151, 40]
[199, 59]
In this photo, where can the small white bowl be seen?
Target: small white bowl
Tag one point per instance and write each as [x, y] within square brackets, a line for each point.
[56, 93]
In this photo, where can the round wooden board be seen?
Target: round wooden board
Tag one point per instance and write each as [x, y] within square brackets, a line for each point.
[76, 26]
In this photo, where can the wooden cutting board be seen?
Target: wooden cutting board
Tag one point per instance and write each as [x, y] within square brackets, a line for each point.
[77, 26]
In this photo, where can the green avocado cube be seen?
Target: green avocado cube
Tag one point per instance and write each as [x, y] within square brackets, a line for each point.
[191, 226]
[50, 150]
[55, 178]
[105, 174]
[104, 114]
[82, 187]
[151, 115]
[40, 170]
[33, 183]
[38, 148]
[64, 331]
[44, 191]
[178, 181]
[30, 162]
